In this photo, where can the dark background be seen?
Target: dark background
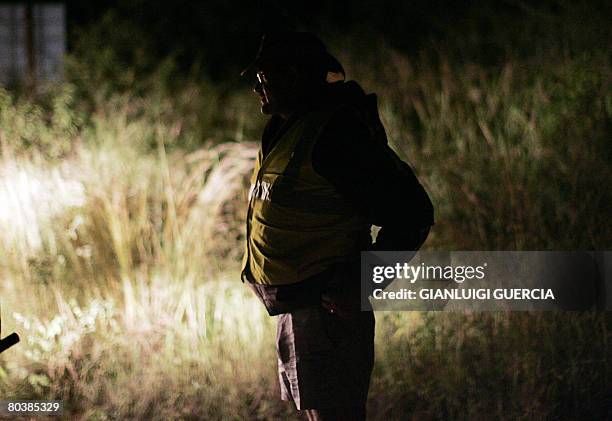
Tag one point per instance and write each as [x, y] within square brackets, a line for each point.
[223, 35]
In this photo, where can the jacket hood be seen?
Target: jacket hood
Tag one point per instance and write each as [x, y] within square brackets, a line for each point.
[350, 93]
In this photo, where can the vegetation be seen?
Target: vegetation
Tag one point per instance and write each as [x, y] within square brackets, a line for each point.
[122, 201]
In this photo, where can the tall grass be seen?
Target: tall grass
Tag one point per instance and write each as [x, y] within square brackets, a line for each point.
[122, 224]
[165, 349]
[510, 153]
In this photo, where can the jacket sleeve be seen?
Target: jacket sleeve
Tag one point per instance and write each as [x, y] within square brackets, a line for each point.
[366, 175]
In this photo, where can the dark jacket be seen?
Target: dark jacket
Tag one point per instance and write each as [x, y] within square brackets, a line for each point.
[353, 156]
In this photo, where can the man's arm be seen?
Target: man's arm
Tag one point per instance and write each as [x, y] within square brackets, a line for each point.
[365, 174]
[362, 170]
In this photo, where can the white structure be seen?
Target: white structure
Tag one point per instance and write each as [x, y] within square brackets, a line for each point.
[32, 41]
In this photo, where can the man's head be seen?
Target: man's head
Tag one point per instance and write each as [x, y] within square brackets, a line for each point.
[290, 68]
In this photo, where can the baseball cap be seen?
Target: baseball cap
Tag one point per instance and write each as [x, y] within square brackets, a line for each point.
[299, 48]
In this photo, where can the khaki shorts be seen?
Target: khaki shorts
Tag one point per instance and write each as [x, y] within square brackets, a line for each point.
[325, 361]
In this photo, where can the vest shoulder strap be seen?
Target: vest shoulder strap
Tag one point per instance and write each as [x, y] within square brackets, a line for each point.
[314, 126]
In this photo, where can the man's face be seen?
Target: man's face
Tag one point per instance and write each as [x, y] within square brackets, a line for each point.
[276, 87]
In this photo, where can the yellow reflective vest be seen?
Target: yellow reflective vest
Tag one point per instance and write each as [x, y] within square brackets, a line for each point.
[297, 223]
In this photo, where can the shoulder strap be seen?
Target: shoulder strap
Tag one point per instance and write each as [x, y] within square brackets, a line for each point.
[310, 134]
[284, 186]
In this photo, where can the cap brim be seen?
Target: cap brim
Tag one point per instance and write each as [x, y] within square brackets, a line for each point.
[330, 62]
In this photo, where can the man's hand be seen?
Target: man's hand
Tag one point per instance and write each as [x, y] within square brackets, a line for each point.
[342, 295]
[342, 305]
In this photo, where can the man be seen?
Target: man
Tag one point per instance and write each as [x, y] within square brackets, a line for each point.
[323, 176]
